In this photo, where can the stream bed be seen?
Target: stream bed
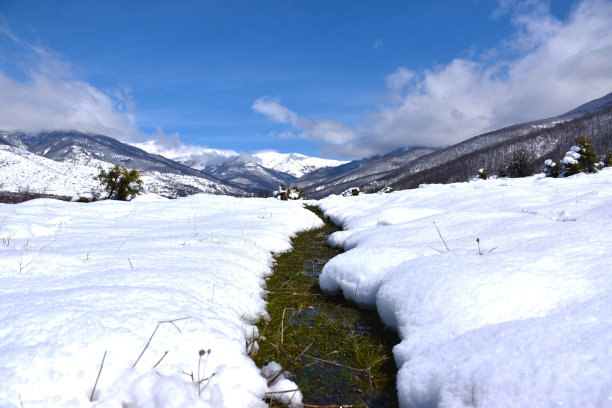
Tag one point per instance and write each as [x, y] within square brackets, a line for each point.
[338, 353]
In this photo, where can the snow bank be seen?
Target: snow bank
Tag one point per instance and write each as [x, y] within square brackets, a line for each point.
[526, 324]
[81, 279]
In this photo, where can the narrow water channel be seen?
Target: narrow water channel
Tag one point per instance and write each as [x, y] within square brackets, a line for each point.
[348, 359]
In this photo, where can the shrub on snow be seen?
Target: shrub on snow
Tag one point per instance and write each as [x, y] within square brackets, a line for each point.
[483, 173]
[581, 158]
[119, 182]
[353, 191]
[292, 193]
[552, 168]
[519, 165]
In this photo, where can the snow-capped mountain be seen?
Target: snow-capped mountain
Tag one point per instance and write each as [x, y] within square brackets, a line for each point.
[294, 163]
[244, 171]
[196, 157]
[325, 180]
[231, 173]
[202, 158]
[64, 163]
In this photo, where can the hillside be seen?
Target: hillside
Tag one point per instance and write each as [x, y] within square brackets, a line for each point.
[547, 138]
[65, 162]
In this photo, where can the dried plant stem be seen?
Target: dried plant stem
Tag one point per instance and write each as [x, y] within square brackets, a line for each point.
[88, 252]
[160, 360]
[283, 324]
[153, 334]
[97, 378]
[440, 234]
[281, 392]
[435, 249]
[273, 379]
[22, 266]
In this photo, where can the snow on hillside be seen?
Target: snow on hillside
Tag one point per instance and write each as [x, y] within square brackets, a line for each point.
[200, 158]
[293, 163]
[526, 321]
[81, 279]
[22, 170]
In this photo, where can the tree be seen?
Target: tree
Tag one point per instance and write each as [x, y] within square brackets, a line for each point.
[587, 161]
[520, 164]
[292, 193]
[552, 168]
[608, 160]
[353, 191]
[571, 163]
[581, 158]
[119, 182]
[483, 173]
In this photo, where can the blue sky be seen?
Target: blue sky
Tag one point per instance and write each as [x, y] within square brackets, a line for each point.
[327, 78]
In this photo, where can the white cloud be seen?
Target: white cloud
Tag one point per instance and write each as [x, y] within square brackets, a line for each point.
[399, 79]
[50, 99]
[196, 156]
[547, 67]
[274, 110]
[327, 132]
[377, 44]
[556, 66]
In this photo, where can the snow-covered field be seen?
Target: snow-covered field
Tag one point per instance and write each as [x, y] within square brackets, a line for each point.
[80, 279]
[524, 322]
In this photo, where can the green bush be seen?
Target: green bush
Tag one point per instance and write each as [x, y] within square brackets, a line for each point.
[119, 182]
[608, 160]
[588, 161]
[520, 164]
[483, 173]
[292, 193]
[581, 158]
[552, 168]
[353, 191]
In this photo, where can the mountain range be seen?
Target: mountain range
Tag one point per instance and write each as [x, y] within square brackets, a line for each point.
[64, 162]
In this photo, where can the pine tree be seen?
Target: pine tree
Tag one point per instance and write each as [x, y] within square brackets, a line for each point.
[483, 173]
[520, 164]
[119, 182]
[552, 168]
[588, 161]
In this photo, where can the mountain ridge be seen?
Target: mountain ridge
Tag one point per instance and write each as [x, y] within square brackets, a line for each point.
[244, 175]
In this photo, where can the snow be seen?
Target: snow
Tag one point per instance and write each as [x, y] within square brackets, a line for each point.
[81, 279]
[294, 163]
[200, 157]
[526, 324]
[25, 171]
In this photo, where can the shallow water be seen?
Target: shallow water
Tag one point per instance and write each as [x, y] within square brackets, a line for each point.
[350, 360]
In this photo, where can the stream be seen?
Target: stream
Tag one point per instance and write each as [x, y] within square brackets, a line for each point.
[338, 353]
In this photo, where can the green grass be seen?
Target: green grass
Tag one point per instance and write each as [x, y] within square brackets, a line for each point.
[358, 367]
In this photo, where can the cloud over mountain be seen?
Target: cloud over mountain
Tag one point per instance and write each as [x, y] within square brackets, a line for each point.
[544, 69]
[47, 96]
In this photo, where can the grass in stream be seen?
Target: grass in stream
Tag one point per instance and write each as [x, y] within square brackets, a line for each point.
[350, 360]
